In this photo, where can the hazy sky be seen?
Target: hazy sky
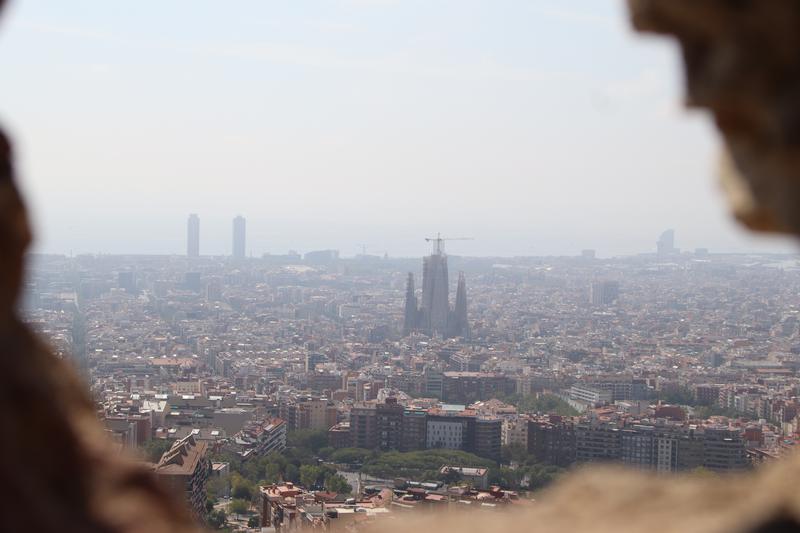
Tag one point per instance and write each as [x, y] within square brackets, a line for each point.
[535, 126]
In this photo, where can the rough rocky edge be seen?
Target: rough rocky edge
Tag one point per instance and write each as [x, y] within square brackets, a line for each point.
[742, 61]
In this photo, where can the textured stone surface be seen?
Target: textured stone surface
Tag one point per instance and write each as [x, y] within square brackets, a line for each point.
[742, 63]
[616, 501]
[56, 470]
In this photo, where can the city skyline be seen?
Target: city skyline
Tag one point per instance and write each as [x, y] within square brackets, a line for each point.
[193, 240]
[535, 153]
[661, 348]
[219, 315]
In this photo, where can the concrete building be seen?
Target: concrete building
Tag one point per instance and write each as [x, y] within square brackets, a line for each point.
[471, 387]
[239, 236]
[487, 437]
[434, 383]
[389, 424]
[590, 395]
[184, 470]
[363, 426]
[724, 449]
[459, 322]
[552, 440]
[414, 431]
[597, 442]
[259, 438]
[193, 236]
[411, 311]
[446, 432]
[666, 243]
[339, 435]
[515, 432]
[309, 413]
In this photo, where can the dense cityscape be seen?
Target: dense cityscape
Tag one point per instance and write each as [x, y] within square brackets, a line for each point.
[294, 391]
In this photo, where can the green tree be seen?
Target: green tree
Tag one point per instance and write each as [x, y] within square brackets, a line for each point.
[507, 478]
[307, 439]
[239, 506]
[516, 453]
[243, 489]
[272, 472]
[216, 519]
[338, 484]
[253, 522]
[420, 465]
[299, 456]
[541, 475]
[681, 395]
[309, 475]
[216, 487]
[292, 473]
[155, 448]
[351, 455]
[540, 403]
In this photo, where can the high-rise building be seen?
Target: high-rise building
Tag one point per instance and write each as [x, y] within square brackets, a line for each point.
[389, 424]
[488, 437]
[469, 387]
[410, 321]
[239, 225]
[79, 356]
[459, 323]
[435, 289]
[666, 243]
[724, 449]
[183, 470]
[552, 441]
[363, 426]
[193, 236]
[414, 430]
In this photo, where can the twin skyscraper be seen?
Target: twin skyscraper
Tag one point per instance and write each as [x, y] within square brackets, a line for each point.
[193, 236]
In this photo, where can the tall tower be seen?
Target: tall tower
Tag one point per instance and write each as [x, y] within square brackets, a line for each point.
[460, 323]
[193, 236]
[239, 225]
[666, 243]
[435, 288]
[79, 344]
[411, 319]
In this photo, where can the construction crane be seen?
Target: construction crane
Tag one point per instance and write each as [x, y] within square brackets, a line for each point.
[438, 242]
